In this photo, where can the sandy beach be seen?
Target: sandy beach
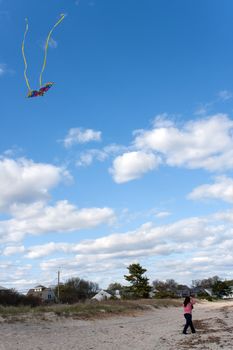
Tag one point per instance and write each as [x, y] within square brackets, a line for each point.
[153, 329]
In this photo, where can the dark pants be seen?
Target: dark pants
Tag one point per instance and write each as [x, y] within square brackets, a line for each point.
[189, 323]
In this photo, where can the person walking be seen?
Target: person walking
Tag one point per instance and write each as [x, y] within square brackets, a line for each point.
[188, 307]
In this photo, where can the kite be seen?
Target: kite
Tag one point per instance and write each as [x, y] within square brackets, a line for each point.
[41, 91]
[43, 88]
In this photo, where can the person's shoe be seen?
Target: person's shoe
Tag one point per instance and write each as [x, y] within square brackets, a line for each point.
[185, 333]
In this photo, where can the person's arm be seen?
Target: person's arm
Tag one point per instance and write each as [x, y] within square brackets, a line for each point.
[192, 301]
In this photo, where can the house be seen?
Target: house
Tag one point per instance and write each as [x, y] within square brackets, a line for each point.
[46, 294]
[182, 291]
[106, 294]
[230, 295]
[3, 289]
[153, 292]
[200, 291]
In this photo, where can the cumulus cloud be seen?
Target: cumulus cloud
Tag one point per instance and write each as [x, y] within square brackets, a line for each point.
[206, 239]
[203, 143]
[80, 136]
[11, 250]
[23, 181]
[132, 165]
[37, 219]
[3, 69]
[148, 239]
[222, 189]
[87, 157]
[200, 144]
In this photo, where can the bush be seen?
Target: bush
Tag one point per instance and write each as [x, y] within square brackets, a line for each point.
[12, 298]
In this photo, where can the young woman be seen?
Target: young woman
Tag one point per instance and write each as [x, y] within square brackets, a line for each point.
[188, 307]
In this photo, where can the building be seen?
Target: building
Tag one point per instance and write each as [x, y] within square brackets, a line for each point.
[46, 294]
[106, 294]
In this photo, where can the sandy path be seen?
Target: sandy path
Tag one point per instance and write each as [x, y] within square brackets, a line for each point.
[156, 329]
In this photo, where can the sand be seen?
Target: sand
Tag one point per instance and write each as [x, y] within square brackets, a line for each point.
[153, 329]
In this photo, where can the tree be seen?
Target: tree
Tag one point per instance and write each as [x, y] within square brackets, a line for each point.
[115, 286]
[76, 289]
[165, 289]
[206, 283]
[11, 297]
[221, 288]
[140, 287]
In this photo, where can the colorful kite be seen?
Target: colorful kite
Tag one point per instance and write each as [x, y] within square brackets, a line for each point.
[43, 88]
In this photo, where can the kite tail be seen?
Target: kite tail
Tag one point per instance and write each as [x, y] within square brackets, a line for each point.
[24, 58]
[47, 44]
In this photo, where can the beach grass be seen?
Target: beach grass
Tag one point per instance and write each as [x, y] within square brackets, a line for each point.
[88, 309]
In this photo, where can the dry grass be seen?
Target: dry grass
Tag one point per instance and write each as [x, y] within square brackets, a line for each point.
[87, 310]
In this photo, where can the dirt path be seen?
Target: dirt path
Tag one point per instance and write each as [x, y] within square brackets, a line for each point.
[153, 330]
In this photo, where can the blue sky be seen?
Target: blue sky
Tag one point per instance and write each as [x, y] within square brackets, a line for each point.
[128, 158]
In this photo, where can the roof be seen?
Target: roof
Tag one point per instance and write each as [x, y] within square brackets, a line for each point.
[3, 288]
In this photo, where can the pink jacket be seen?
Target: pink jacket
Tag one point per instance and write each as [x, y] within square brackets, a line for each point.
[188, 308]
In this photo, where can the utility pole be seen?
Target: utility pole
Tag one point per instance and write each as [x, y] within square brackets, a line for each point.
[58, 285]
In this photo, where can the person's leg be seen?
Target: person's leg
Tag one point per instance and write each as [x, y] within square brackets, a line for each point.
[187, 323]
[191, 325]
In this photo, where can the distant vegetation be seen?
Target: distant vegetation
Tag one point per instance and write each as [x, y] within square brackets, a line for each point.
[11, 297]
[76, 290]
[84, 310]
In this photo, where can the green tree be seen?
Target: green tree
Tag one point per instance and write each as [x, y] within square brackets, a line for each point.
[140, 287]
[76, 289]
[221, 288]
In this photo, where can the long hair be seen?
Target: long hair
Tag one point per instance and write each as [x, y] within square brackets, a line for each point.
[186, 301]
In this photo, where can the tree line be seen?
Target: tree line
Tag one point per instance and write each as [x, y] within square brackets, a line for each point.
[75, 289]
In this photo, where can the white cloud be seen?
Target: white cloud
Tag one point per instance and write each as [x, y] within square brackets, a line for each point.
[205, 239]
[224, 216]
[53, 43]
[202, 110]
[80, 136]
[132, 165]
[11, 250]
[225, 95]
[86, 158]
[3, 69]
[162, 214]
[221, 189]
[205, 143]
[43, 250]
[23, 181]
[37, 219]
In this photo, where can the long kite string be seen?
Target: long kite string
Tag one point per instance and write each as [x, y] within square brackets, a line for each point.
[47, 44]
[24, 58]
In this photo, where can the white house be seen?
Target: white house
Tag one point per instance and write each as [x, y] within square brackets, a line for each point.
[106, 294]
